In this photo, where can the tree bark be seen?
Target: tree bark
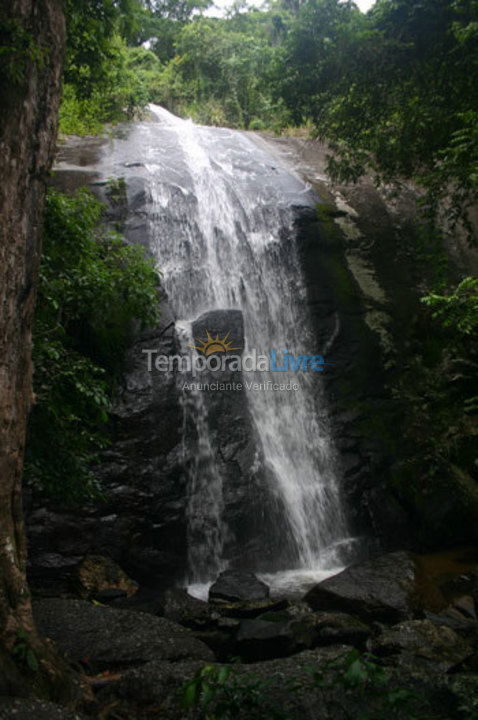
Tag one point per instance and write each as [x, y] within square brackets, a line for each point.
[30, 87]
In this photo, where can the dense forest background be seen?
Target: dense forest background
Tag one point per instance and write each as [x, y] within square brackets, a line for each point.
[393, 89]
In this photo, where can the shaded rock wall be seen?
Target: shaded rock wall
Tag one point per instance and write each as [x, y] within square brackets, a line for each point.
[366, 265]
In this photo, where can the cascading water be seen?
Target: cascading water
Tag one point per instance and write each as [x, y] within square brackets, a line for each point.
[223, 236]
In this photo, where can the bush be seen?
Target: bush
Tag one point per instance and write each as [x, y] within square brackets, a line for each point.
[92, 288]
[121, 93]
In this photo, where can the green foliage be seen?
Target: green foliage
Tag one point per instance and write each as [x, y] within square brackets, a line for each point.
[18, 49]
[393, 92]
[352, 681]
[23, 652]
[362, 675]
[94, 27]
[202, 689]
[221, 74]
[355, 671]
[80, 116]
[436, 394]
[120, 94]
[99, 84]
[93, 287]
[458, 309]
[217, 693]
[162, 22]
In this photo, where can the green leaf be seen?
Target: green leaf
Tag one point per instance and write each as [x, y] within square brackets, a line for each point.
[31, 659]
[356, 673]
[190, 695]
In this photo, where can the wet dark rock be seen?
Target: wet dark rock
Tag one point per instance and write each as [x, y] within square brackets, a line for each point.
[105, 638]
[263, 639]
[52, 571]
[465, 606]
[384, 588]
[278, 634]
[146, 600]
[221, 640]
[473, 577]
[251, 608]
[221, 323]
[234, 586]
[29, 709]
[186, 610]
[422, 640]
[159, 682]
[333, 628]
[155, 683]
[465, 627]
[151, 565]
[110, 595]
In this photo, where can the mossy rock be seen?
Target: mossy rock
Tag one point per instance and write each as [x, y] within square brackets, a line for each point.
[97, 575]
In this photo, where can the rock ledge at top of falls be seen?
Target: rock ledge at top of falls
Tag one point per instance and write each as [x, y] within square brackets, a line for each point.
[235, 585]
[391, 588]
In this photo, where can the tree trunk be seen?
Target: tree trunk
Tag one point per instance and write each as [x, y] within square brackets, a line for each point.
[30, 86]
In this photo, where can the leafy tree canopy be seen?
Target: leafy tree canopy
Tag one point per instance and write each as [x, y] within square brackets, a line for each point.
[394, 91]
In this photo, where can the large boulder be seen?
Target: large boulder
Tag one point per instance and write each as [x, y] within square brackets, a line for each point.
[234, 585]
[386, 588]
[105, 638]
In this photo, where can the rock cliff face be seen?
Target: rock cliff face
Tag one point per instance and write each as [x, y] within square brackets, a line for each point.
[366, 267]
[362, 289]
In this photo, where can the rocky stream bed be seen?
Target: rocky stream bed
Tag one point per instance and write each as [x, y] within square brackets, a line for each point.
[392, 637]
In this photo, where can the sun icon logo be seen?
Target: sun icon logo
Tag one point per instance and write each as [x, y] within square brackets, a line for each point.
[214, 344]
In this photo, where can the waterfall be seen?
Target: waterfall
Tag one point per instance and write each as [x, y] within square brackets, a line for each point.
[222, 232]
